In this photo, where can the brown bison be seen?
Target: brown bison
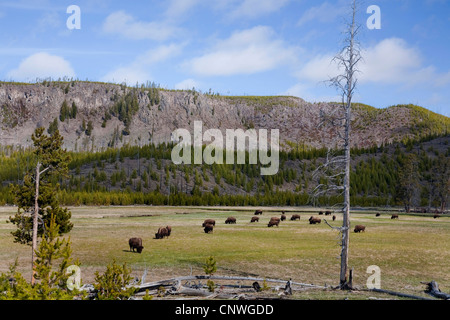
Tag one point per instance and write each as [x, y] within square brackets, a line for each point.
[283, 217]
[162, 232]
[230, 220]
[328, 213]
[254, 219]
[334, 218]
[394, 216]
[295, 217]
[208, 228]
[436, 216]
[135, 243]
[320, 213]
[313, 220]
[274, 221]
[378, 214]
[257, 212]
[359, 228]
[169, 230]
[209, 221]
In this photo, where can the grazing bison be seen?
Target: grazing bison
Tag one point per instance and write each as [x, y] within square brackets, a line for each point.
[254, 219]
[334, 218]
[328, 213]
[274, 221]
[162, 232]
[258, 212]
[359, 228]
[295, 217]
[135, 243]
[283, 217]
[378, 214]
[230, 220]
[320, 213]
[208, 228]
[436, 216]
[209, 221]
[313, 220]
[394, 216]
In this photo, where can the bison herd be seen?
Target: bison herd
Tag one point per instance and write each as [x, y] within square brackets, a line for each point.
[209, 224]
[136, 243]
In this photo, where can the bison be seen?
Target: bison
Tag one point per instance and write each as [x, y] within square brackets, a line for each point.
[436, 216]
[283, 217]
[334, 218]
[209, 221]
[394, 216]
[169, 230]
[320, 213]
[135, 243]
[313, 220]
[162, 232]
[257, 212]
[359, 228]
[208, 228]
[295, 217]
[378, 214]
[230, 220]
[328, 213]
[274, 221]
[254, 219]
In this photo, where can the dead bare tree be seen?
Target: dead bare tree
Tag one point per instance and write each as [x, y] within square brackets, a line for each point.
[335, 171]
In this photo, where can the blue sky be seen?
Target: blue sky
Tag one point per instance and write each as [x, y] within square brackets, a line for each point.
[233, 47]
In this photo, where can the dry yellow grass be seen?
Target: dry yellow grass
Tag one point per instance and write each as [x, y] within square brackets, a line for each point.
[408, 251]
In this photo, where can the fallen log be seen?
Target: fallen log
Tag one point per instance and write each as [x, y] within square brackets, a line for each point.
[433, 290]
[399, 294]
[177, 282]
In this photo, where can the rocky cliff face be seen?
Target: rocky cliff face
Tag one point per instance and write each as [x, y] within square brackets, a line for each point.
[23, 107]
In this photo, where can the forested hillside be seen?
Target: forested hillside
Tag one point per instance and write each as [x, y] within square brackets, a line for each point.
[146, 175]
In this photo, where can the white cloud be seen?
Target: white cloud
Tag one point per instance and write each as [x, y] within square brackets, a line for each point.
[308, 93]
[187, 84]
[127, 26]
[390, 61]
[129, 74]
[320, 68]
[244, 52]
[42, 65]
[256, 8]
[137, 70]
[177, 8]
[323, 13]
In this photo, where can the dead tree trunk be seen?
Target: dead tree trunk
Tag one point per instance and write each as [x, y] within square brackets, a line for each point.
[35, 224]
[347, 59]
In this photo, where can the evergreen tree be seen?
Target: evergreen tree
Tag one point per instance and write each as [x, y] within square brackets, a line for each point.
[74, 111]
[441, 181]
[52, 282]
[112, 284]
[408, 181]
[89, 128]
[36, 198]
[53, 127]
[64, 112]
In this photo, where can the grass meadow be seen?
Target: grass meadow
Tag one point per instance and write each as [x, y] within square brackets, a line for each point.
[409, 251]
